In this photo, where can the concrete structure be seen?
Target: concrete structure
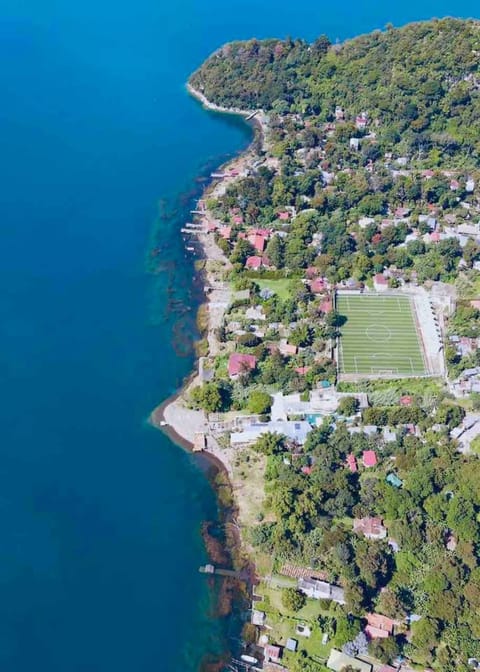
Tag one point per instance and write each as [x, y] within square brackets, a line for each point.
[321, 590]
[294, 431]
[467, 432]
[322, 402]
[338, 661]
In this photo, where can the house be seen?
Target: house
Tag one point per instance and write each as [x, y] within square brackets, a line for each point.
[355, 144]
[339, 113]
[361, 121]
[369, 458]
[326, 306]
[380, 282]
[258, 617]
[388, 668]
[467, 431]
[321, 590]
[291, 644]
[427, 174]
[238, 219]
[302, 370]
[470, 185]
[475, 303]
[312, 272]
[254, 262]
[295, 431]
[272, 653]
[401, 213]
[450, 543]
[318, 285]
[287, 349]
[257, 241]
[283, 216]
[339, 661]
[370, 527]
[466, 346]
[352, 463]
[225, 232]
[406, 400]
[378, 626]
[239, 363]
[369, 430]
[394, 480]
[468, 230]
[389, 435]
[363, 222]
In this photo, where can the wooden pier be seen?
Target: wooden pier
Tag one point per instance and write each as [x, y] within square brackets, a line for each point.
[211, 569]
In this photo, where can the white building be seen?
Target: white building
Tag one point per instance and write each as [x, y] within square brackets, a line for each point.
[296, 431]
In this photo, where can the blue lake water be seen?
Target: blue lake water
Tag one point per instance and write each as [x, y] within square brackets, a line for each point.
[100, 514]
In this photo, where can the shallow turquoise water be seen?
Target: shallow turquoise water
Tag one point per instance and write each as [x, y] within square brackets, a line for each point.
[99, 514]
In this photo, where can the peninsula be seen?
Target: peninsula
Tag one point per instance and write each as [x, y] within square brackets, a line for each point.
[339, 378]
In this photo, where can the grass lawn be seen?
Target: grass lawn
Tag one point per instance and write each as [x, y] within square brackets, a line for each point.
[282, 287]
[379, 336]
[249, 485]
[283, 624]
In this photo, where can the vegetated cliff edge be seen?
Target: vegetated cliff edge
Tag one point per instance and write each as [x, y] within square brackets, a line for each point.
[421, 81]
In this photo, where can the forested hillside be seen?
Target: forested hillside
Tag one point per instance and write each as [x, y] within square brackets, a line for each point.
[420, 81]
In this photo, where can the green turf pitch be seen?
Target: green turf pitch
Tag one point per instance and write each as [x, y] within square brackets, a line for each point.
[379, 336]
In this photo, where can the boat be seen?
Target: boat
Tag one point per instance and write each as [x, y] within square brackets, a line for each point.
[249, 659]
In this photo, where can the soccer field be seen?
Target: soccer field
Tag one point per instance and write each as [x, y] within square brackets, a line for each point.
[379, 336]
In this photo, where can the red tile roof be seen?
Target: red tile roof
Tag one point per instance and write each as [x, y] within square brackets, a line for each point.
[253, 262]
[370, 527]
[225, 232]
[352, 463]
[317, 286]
[257, 241]
[239, 363]
[381, 622]
[380, 279]
[326, 306]
[272, 653]
[406, 400]
[302, 370]
[369, 458]
[312, 272]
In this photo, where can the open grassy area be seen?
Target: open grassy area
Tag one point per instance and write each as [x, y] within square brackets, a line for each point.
[379, 336]
[283, 623]
[282, 287]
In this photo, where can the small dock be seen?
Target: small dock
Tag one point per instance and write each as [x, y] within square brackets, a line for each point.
[250, 116]
[211, 569]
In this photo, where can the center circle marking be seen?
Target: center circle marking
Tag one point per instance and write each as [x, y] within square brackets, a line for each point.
[378, 333]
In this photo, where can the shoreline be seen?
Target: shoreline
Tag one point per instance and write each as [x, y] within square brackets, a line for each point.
[172, 411]
[173, 417]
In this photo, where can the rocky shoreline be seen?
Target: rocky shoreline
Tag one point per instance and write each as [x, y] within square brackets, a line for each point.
[180, 423]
